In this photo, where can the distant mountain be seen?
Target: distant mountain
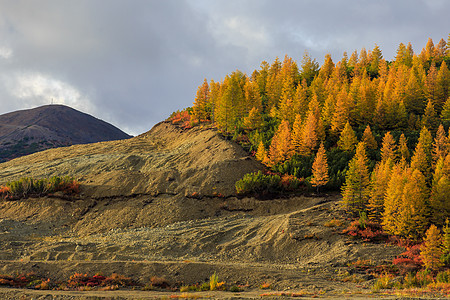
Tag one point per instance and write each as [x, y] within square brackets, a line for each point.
[27, 131]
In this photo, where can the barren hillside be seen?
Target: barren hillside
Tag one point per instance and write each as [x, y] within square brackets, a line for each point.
[163, 204]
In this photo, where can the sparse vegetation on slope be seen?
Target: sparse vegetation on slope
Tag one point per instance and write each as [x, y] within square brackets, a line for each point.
[27, 186]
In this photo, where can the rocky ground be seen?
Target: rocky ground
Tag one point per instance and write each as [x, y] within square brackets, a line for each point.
[163, 204]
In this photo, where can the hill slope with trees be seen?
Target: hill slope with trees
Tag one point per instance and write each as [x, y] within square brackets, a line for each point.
[382, 126]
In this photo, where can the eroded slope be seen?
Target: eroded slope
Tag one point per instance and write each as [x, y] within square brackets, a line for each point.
[165, 160]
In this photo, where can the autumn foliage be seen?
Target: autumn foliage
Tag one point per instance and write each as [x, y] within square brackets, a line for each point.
[382, 127]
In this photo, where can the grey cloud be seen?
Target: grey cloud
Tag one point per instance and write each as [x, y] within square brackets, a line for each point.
[134, 62]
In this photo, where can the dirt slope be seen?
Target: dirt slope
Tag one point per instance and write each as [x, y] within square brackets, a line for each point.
[165, 160]
[163, 204]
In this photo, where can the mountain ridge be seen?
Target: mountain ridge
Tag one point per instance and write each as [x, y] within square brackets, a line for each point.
[27, 131]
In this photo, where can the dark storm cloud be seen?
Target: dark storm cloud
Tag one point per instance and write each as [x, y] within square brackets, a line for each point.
[134, 62]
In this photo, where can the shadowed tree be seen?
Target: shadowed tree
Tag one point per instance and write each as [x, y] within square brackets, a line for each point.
[403, 148]
[356, 189]
[440, 206]
[379, 181]
[440, 145]
[368, 139]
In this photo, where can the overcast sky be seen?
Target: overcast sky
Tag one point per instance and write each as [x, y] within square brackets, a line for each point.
[132, 63]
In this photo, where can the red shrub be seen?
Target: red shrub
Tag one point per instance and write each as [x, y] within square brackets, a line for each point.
[372, 232]
[4, 191]
[409, 260]
[70, 188]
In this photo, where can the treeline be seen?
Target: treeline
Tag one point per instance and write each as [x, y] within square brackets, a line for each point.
[283, 113]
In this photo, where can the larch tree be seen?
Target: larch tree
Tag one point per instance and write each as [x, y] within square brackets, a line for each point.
[328, 110]
[379, 181]
[301, 98]
[202, 108]
[431, 88]
[252, 96]
[414, 94]
[230, 107]
[369, 139]
[393, 200]
[403, 148]
[440, 49]
[421, 159]
[356, 189]
[297, 132]
[445, 113]
[309, 68]
[374, 60]
[431, 249]
[274, 85]
[320, 169]
[403, 56]
[440, 145]
[365, 105]
[281, 147]
[353, 60]
[214, 97]
[347, 140]
[286, 108]
[430, 119]
[261, 154]
[253, 120]
[428, 51]
[388, 148]
[341, 112]
[440, 189]
[413, 218]
[443, 86]
[309, 136]
[312, 130]
[446, 243]
[327, 67]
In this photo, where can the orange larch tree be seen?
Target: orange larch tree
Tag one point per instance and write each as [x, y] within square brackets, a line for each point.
[369, 139]
[388, 148]
[281, 147]
[320, 169]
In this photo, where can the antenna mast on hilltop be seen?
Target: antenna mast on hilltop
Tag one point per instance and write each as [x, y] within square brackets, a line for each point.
[52, 101]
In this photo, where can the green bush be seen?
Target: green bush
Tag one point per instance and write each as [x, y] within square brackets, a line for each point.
[443, 276]
[27, 186]
[258, 183]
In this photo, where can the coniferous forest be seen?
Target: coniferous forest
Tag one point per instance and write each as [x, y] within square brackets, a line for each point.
[376, 130]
